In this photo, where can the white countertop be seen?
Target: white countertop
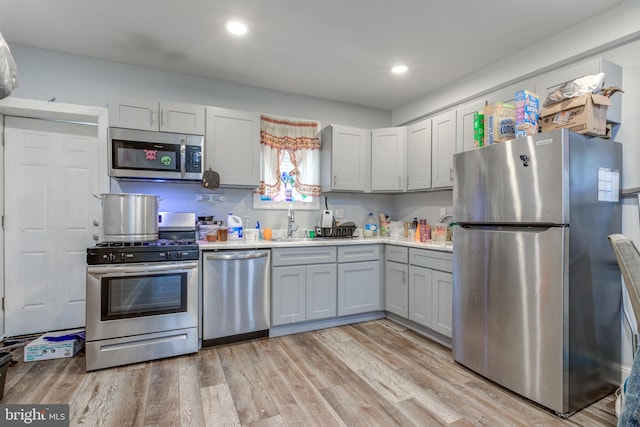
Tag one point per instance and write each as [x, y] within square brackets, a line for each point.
[297, 242]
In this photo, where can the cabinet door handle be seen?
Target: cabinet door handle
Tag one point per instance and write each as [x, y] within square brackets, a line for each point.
[450, 173]
[162, 122]
[334, 180]
[151, 117]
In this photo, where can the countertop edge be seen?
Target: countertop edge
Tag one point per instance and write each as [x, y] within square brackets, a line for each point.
[269, 244]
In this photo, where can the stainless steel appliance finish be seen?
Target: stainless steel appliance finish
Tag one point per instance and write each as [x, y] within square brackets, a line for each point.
[139, 154]
[129, 217]
[235, 296]
[142, 298]
[536, 290]
[160, 321]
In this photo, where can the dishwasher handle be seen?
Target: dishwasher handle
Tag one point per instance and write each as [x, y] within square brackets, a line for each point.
[231, 256]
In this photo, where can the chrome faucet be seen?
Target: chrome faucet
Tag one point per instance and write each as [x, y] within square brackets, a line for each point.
[291, 221]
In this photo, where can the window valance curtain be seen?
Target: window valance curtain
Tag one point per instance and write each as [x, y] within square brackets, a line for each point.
[299, 139]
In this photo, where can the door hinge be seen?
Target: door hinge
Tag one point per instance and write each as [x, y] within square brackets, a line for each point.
[2, 303]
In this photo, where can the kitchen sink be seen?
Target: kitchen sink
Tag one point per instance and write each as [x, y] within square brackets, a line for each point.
[291, 239]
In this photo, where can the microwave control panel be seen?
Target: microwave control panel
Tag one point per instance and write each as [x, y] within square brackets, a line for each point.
[193, 161]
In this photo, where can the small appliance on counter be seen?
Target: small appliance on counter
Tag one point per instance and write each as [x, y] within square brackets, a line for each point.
[327, 221]
[329, 228]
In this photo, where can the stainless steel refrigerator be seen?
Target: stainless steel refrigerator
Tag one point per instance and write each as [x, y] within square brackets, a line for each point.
[537, 291]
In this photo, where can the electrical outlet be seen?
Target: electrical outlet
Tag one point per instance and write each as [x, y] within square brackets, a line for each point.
[443, 211]
[339, 213]
[211, 198]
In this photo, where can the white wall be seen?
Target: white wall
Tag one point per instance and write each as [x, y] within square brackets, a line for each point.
[182, 198]
[618, 25]
[79, 80]
[74, 79]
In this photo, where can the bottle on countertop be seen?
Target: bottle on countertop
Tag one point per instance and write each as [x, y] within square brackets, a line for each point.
[425, 231]
[234, 225]
[413, 227]
[370, 226]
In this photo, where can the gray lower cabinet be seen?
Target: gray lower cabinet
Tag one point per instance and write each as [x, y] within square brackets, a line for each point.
[396, 280]
[429, 293]
[303, 284]
[321, 291]
[442, 302]
[360, 283]
[430, 298]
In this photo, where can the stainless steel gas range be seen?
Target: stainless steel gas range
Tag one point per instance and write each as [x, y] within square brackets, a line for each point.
[142, 297]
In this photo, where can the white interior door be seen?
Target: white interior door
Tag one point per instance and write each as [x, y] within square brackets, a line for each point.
[52, 170]
[2, 334]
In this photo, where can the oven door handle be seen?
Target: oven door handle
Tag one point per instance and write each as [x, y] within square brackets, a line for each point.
[141, 268]
[183, 157]
[236, 256]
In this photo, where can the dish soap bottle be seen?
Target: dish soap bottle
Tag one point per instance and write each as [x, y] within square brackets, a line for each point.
[370, 226]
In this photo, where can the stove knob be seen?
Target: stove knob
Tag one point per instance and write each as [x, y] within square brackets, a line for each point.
[111, 257]
[123, 256]
[178, 255]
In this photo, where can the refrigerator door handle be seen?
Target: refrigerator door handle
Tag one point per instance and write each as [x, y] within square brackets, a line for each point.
[538, 228]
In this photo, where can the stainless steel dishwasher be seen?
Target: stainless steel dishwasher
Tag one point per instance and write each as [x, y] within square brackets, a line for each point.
[235, 296]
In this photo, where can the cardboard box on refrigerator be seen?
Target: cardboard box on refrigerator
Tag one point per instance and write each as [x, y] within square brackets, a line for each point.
[527, 109]
[499, 122]
[586, 114]
[41, 349]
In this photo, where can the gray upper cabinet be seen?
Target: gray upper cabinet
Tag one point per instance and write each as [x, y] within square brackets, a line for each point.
[418, 156]
[345, 159]
[144, 114]
[387, 158]
[443, 148]
[464, 133]
[552, 80]
[233, 146]
[508, 94]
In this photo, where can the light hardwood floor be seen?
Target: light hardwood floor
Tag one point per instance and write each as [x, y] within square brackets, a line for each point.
[374, 373]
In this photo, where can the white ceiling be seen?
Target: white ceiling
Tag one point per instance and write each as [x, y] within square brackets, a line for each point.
[334, 49]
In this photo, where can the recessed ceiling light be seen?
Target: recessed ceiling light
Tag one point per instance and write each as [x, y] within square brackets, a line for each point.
[237, 28]
[399, 69]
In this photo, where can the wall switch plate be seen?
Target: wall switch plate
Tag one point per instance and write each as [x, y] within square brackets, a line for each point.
[443, 211]
[339, 213]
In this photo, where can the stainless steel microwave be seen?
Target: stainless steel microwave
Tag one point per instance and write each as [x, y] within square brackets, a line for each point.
[141, 154]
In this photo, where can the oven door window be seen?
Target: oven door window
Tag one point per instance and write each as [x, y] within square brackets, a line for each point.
[144, 295]
[146, 156]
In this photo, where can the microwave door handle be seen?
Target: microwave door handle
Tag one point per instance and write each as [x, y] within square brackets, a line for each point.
[183, 157]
